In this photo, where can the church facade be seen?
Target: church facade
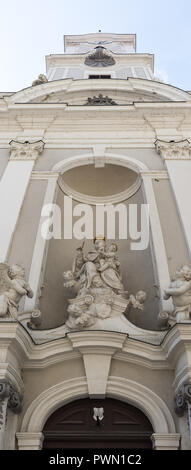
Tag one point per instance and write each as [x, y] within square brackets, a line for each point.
[95, 243]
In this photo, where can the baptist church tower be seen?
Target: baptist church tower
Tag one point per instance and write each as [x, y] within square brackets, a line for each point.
[95, 319]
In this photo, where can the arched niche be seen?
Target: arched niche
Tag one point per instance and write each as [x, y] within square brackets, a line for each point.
[118, 181]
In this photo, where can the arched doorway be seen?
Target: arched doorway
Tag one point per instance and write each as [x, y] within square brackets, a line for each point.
[73, 426]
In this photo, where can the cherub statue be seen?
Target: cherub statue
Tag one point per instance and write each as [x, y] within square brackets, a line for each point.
[68, 279]
[180, 291]
[138, 300]
[41, 79]
[12, 288]
[80, 317]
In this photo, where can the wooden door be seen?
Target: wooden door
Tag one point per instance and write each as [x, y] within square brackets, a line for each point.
[73, 426]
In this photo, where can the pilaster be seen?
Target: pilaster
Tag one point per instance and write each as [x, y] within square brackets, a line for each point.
[177, 158]
[13, 187]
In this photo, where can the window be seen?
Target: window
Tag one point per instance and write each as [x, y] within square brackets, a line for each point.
[99, 76]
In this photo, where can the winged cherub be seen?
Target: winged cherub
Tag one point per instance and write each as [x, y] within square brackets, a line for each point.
[12, 288]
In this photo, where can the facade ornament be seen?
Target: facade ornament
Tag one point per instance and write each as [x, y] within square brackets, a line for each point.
[180, 150]
[180, 291]
[35, 319]
[25, 150]
[183, 403]
[99, 58]
[182, 399]
[41, 79]
[13, 287]
[100, 100]
[9, 398]
[100, 292]
[98, 415]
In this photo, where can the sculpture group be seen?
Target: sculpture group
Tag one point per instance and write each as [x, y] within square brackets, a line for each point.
[98, 293]
[97, 279]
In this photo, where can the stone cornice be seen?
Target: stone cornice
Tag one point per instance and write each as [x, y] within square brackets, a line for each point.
[160, 174]
[25, 150]
[172, 150]
[18, 348]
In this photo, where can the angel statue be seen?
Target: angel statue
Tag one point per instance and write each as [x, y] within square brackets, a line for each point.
[12, 288]
[180, 291]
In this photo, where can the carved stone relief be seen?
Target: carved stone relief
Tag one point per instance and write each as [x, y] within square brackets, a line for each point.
[100, 100]
[99, 58]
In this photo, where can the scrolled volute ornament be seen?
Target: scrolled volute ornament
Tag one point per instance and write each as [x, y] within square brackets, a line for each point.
[14, 398]
[182, 399]
[4, 389]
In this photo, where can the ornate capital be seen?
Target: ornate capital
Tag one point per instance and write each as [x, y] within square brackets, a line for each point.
[180, 150]
[182, 399]
[25, 150]
[14, 398]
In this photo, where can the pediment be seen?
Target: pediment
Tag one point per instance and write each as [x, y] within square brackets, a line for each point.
[77, 92]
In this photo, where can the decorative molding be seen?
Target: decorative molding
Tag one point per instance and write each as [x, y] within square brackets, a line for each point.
[180, 150]
[14, 398]
[177, 99]
[154, 174]
[49, 400]
[30, 440]
[145, 399]
[166, 441]
[25, 150]
[120, 388]
[44, 175]
[182, 399]
[97, 342]
[97, 349]
[89, 199]
[99, 155]
[87, 159]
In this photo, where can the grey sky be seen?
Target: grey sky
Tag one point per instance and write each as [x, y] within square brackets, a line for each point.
[32, 29]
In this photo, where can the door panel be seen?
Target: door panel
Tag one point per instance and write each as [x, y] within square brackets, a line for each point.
[73, 426]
